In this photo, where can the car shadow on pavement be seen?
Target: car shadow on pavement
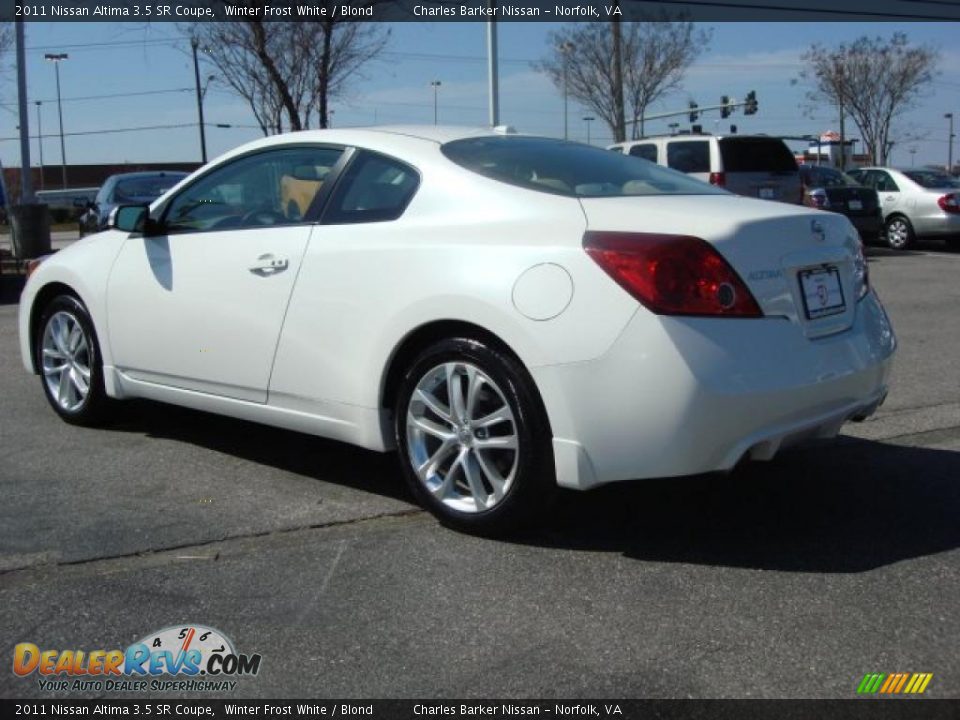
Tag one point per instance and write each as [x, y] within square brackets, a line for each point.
[835, 507]
[840, 506]
[305, 455]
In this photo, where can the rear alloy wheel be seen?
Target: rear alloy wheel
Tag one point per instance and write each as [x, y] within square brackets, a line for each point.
[471, 448]
[69, 360]
[899, 233]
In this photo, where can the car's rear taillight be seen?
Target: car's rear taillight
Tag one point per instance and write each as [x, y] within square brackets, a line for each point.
[950, 203]
[672, 274]
[718, 178]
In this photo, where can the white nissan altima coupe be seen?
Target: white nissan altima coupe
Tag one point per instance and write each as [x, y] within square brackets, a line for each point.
[510, 313]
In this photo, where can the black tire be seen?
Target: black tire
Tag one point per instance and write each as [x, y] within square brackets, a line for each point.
[533, 484]
[91, 409]
[898, 233]
[953, 243]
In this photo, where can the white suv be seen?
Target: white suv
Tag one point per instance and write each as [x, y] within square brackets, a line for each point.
[751, 165]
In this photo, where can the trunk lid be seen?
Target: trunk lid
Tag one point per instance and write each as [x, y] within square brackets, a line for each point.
[852, 200]
[772, 246]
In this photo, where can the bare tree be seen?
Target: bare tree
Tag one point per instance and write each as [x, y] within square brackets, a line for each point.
[661, 53]
[6, 37]
[287, 71]
[655, 55]
[874, 80]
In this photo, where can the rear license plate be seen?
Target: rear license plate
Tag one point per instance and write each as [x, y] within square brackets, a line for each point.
[822, 293]
[855, 205]
[766, 194]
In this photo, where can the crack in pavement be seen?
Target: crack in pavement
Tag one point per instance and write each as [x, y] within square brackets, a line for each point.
[276, 532]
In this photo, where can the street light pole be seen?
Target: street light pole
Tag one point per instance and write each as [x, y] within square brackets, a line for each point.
[436, 85]
[195, 45]
[949, 116]
[56, 59]
[588, 119]
[493, 67]
[40, 141]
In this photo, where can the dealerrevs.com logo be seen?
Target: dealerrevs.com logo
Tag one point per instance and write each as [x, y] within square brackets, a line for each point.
[178, 658]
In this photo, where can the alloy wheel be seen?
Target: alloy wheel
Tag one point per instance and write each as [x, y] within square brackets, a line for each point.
[462, 438]
[66, 361]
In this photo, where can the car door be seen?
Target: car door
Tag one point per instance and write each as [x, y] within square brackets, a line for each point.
[891, 198]
[198, 303]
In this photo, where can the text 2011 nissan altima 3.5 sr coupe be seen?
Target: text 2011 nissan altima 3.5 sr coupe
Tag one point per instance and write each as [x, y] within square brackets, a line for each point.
[510, 313]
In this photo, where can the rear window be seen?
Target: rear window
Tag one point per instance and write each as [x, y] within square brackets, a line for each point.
[756, 155]
[566, 168]
[826, 178]
[932, 179]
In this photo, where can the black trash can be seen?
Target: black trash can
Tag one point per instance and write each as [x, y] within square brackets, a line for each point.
[30, 227]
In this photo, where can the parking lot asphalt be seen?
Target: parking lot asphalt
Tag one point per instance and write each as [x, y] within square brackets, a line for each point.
[786, 579]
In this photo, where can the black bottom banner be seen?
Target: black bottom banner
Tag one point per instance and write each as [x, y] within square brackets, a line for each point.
[893, 709]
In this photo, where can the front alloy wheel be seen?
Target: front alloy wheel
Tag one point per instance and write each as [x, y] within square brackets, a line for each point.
[474, 442]
[899, 233]
[69, 361]
[66, 358]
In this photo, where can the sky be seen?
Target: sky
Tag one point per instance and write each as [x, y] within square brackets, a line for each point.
[147, 71]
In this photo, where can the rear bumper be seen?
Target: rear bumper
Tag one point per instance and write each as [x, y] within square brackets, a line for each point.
[681, 396]
[867, 225]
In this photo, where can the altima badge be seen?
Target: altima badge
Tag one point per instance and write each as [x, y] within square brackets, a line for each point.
[817, 229]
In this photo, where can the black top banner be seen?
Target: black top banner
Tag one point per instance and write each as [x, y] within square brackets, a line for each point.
[477, 10]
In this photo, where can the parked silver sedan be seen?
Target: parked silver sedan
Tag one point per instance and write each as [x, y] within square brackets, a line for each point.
[916, 202]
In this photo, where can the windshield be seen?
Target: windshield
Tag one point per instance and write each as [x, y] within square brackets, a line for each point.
[567, 168]
[932, 179]
[144, 188]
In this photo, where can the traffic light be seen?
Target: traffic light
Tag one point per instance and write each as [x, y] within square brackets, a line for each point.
[726, 109]
[693, 111]
[750, 107]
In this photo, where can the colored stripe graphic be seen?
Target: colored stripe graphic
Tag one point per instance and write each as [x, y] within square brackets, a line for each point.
[894, 683]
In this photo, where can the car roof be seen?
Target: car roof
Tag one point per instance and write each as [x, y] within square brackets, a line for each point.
[409, 142]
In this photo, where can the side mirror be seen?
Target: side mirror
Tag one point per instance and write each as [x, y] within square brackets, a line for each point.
[130, 218]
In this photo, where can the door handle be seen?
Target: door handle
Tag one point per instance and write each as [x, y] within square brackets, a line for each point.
[267, 265]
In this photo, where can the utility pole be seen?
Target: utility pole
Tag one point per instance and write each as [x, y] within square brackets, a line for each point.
[195, 45]
[26, 182]
[493, 67]
[40, 141]
[565, 49]
[435, 84]
[949, 116]
[843, 142]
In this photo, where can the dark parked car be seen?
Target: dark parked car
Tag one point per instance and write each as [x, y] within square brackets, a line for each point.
[829, 189]
[126, 189]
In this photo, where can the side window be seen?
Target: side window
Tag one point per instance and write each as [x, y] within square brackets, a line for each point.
[689, 157]
[374, 188]
[885, 183]
[647, 151]
[275, 187]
